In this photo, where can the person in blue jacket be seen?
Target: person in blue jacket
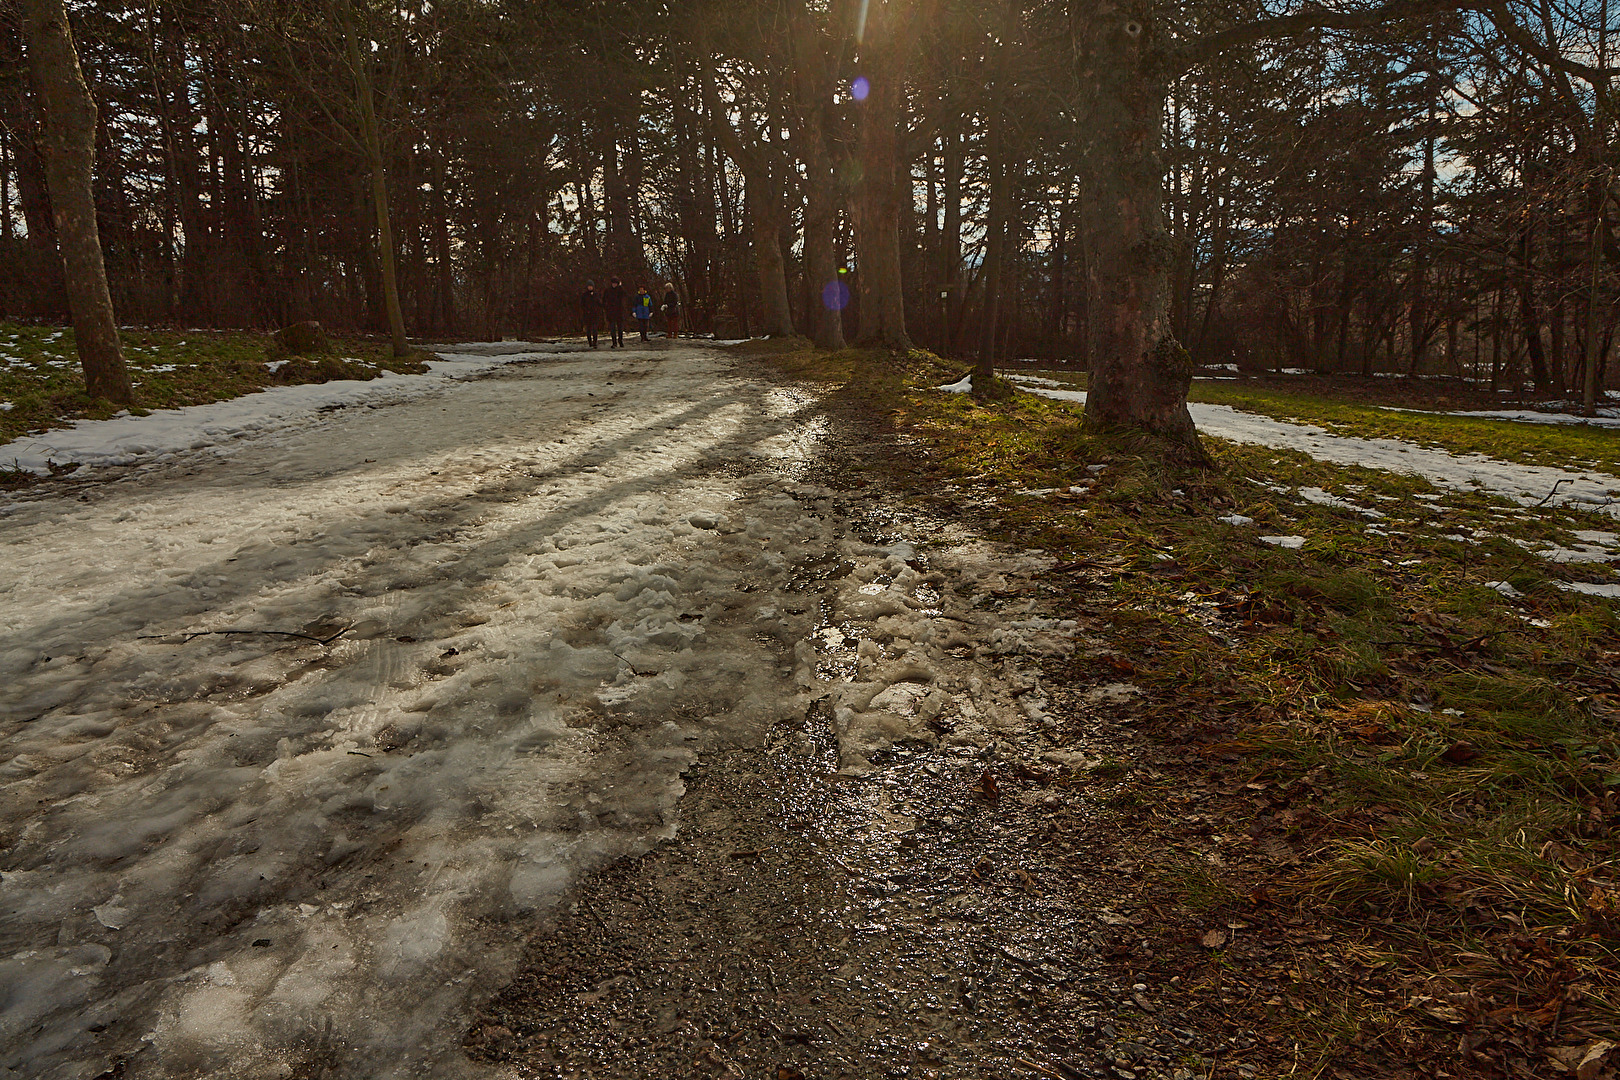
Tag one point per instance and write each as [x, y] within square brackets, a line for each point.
[642, 309]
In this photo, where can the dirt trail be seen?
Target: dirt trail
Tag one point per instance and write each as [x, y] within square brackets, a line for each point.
[600, 612]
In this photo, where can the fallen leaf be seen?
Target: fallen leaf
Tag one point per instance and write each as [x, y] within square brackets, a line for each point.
[1460, 753]
[988, 786]
[1586, 1061]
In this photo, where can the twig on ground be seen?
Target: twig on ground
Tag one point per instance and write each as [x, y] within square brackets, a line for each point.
[1554, 491]
[192, 634]
[636, 671]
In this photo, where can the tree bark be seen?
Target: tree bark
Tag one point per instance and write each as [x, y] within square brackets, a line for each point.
[69, 115]
[950, 240]
[995, 242]
[882, 61]
[1140, 373]
[1418, 328]
[1530, 312]
[828, 295]
[765, 207]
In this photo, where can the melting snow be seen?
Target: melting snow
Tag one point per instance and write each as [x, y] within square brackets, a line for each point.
[1606, 417]
[1611, 592]
[1322, 498]
[1526, 484]
[126, 440]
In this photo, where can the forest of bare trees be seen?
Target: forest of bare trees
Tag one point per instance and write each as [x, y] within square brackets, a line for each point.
[1414, 188]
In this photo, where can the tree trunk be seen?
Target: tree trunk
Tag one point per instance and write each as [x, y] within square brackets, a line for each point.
[1530, 313]
[765, 207]
[950, 240]
[5, 186]
[828, 295]
[444, 290]
[69, 124]
[1418, 330]
[1140, 374]
[39, 267]
[995, 241]
[372, 139]
[883, 55]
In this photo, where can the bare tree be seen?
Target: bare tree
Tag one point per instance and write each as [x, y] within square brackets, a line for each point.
[69, 138]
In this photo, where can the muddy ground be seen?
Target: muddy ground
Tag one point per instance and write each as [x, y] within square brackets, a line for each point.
[1016, 909]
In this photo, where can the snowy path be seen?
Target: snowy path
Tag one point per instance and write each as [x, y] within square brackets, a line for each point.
[560, 583]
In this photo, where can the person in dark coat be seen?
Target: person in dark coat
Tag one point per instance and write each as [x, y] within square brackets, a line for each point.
[613, 302]
[642, 309]
[672, 311]
[590, 312]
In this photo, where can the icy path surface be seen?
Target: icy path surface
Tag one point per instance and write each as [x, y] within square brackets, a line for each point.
[1525, 484]
[557, 584]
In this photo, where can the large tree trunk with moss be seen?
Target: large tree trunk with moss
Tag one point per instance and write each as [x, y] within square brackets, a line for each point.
[1140, 374]
[69, 128]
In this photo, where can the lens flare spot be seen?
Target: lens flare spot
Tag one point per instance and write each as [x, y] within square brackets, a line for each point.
[860, 88]
[835, 295]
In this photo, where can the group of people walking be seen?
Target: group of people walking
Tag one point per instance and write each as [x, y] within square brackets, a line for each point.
[609, 305]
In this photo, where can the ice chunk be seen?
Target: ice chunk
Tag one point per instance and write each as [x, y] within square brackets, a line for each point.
[112, 914]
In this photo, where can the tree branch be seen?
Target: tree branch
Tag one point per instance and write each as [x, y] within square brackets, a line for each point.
[1206, 47]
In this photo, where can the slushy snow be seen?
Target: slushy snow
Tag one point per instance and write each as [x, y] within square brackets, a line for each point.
[515, 610]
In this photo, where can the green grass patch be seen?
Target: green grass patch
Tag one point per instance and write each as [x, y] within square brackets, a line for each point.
[42, 385]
